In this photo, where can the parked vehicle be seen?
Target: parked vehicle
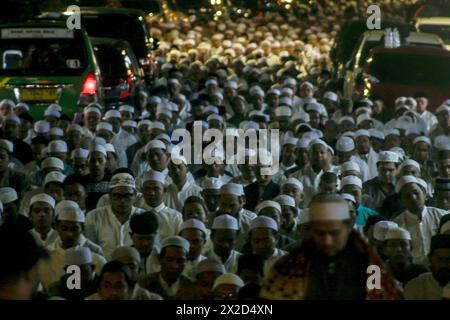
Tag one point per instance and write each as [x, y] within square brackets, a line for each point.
[437, 25]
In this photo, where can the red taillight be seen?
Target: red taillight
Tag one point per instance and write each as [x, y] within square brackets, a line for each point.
[128, 88]
[89, 85]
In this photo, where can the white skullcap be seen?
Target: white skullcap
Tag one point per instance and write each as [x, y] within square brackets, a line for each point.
[374, 133]
[8, 195]
[351, 180]
[397, 234]
[209, 265]
[52, 113]
[321, 142]
[381, 228]
[80, 153]
[329, 211]
[99, 148]
[173, 81]
[56, 132]
[345, 144]
[404, 180]
[104, 126]
[228, 278]
[295, 182]
[70, 213]
[231, 84]
[314, 106]
[362, 133]
[445, 227]
[52, 162]
[86, 110]
[41, 126]
[55, 106]
[212, 183]
[283, 112]
[443, 108]
[263, 222]
[285, 200]
[290, 82]
[75, 127]
[388, 156]
[211, 82]
[301, 116]
[410, 162]
[388, 132]
[110, 148]
[303, 143]
[233, 189]
[7, 145]
[256, 91]
[348, 197]
[214, 116]
[422, 139]
[153, 175]
[346, 118]
[163, 137]
[330, 96]
[274, 92]
[43, 197]
[155, 99]
[77, 256]
[122, 180]
[212, 109]
[126, 252]
[144, 123]
[350, 166]
[22, 105]
[129, 123]
[54, 176]
[287, 91]
[178, 159]
[442, 142]
[57, 146]
[193, 224]
[307, 84]
[112, 114]
[363, 117]
[65, 204]
[175, 241]
[267, 204]
[164, 110]
[155, 144]
[290, 141]
[126, 108]
[225, 221]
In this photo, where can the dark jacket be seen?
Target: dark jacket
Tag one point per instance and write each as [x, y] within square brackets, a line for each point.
[253, 196]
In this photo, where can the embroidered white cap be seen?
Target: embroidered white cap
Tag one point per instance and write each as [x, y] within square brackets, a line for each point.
[155, 144]
[422, 139]
[175, 241]
[228, 278]
[350, 166]
[41, 126]
[351, 180]
[126, 252]
[70, 213]
[8, 195]
[362, 133]
[212, 183]
[52, 162]
[54, 176]
[225, 221]
[193, 224]
[111, 114]
[80, 153]
[58, 146]
[99, 148]
[209, 265]
[345, 144]
[377, 134]
[397, 234]
[381, 228]
[283, 112]
[409, 162]
[154, 175]
[295, 182]
[126, 108]
[285, 200]
[105, 126]
[233, 189]
[58, 132]
[388, 156]
[43, 197]
[348, 197]
[263, 222]
[268, 204]
[122, 180]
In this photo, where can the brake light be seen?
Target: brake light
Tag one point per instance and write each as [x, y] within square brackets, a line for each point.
[89, 85]
[127, 88]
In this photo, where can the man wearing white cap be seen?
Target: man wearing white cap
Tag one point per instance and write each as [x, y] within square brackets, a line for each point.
[397, 248]
[96, 182]
[376, 234]
[320, 155]
[8, 176]
[422, 154]
[143, 137]
[246, 169]
[430, 285]
[288, 159]
[227, 286]
[345, 147]
[211, 194]
[382, 186]
[79, 161]
[289, 216]
[156, 158]
[41, 215]
[153, 199]
[327, 267]
[180, 188]
[92, 117]
[366, 152]
[205, 274]
[109, 226]
[421, 221]
[194, 231]
[442, 127]
[170, 280]
[224, 232]
[294, 188]
[10, 131]
[10, 215]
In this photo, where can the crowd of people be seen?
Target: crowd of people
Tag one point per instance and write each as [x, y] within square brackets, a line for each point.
[104, 191]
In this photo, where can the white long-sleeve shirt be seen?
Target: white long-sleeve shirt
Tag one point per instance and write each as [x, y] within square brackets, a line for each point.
[175, 198]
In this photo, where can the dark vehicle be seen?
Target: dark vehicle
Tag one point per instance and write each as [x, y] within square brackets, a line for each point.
[404, 71]
[348, 38]
[121, 75]
[125, 24]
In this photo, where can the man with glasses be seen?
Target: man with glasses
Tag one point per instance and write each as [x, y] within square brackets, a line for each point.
[108, 226]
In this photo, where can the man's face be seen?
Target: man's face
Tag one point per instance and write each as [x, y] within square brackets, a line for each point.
[4, 160]
[92, 119]
[283, 122]
[133, 265]
[306, 92]
[143, 132]
[143, 243]
[11, 129]
[392, 141]
[96, 164]
[320, 156]
[122, 199]
[330, 237]
[363, 144]
[114, 286]
[153, 192]
[230, 204]
[273, 100]
[158, 159]
[386, 172]
[288, 154]
[77, 193]
[412, 197]
[5, 110]
[443, 119]
[271, 213]
[410, 171]
[314, 119]
[224, 240]
[9, 210]
[105, 134]
[80, 166]
[41, 215]
[327, 187]
[194, 211]
[440, 265]
[177, 172]
[211, 197]
[444, 168]
[302, 156]
[262, 179]
[421, 152]
[263, 241]
[344, 156]
[172, 263]
[355, 191]
[293, 191]
[55, 190]
[205, 282]
[442, 199]
[69, 232]
[74, 137]
[196, 240]
[398, 250]
[288, 215]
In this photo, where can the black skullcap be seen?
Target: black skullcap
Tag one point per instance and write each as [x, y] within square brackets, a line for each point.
[440, 241]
